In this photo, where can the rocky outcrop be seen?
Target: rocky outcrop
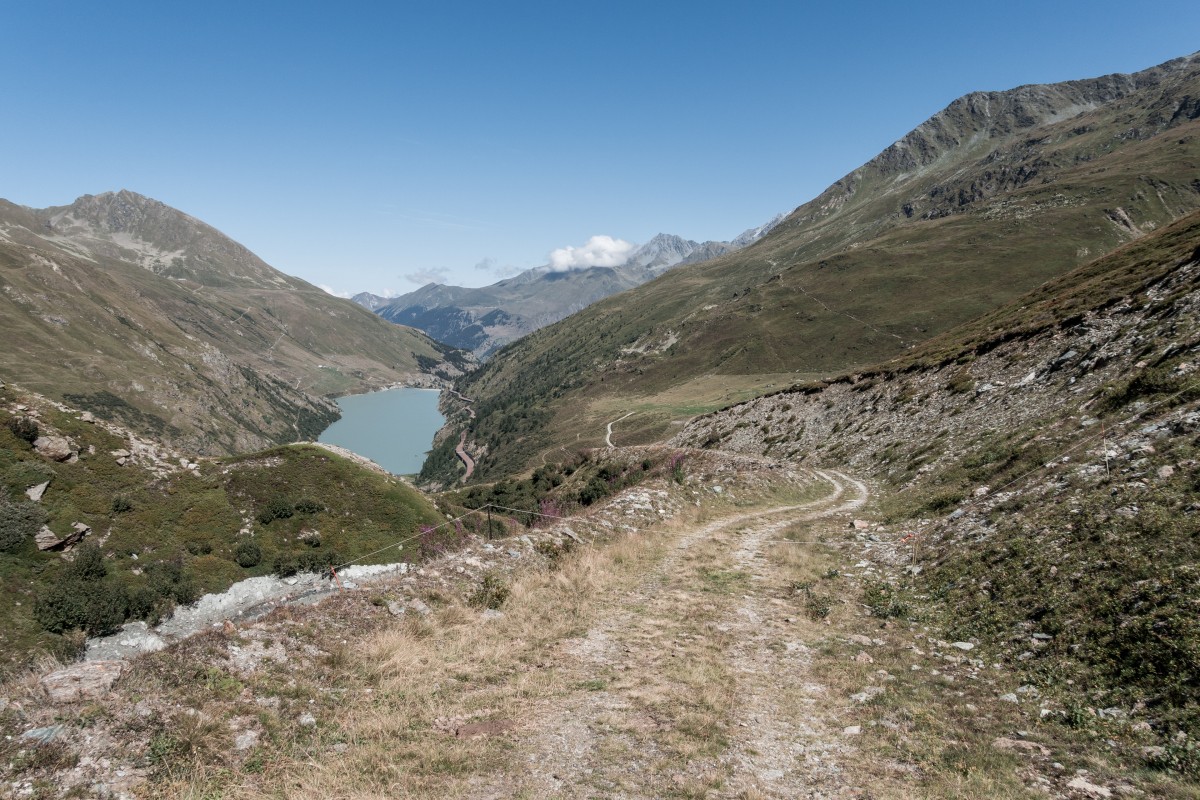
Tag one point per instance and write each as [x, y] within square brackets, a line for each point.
[90, 680]
[47, 539]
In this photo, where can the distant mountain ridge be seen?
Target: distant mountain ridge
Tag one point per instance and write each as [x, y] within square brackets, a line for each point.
[149, 317]
[988, 198]
[485, 319]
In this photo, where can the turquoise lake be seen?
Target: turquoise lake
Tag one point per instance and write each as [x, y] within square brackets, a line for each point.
[394, 428]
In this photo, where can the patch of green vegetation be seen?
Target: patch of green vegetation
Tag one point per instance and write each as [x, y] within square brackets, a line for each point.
[168, 540]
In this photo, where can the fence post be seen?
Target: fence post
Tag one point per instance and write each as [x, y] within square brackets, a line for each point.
[489, 522]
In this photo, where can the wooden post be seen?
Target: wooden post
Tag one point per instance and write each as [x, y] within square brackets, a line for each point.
[489, 522]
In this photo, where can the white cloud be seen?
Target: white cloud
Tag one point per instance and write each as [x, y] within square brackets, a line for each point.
[599, 251]
[329, 290]
[424, 276]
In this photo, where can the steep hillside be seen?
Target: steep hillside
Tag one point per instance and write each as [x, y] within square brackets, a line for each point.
[1042, 465]
[484, 319]
[991, 197]
[99, 524]
[144, 315]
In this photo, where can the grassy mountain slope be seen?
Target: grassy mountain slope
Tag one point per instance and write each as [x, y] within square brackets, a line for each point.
[1044, 460]
[147, 316]
[991, 197]
[166, 533]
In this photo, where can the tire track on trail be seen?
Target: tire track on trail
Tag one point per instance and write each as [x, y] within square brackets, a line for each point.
[669, 692]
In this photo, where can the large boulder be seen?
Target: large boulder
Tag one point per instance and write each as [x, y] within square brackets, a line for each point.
[55, 448]
[90, 680]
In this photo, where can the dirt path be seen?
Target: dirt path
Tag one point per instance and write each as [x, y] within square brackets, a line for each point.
[608, 430]
[460, 450]
[689, 684]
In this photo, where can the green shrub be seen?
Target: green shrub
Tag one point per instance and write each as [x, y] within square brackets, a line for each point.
[308, 506]
[285, 565]
[248, 554]
[169, 580]
[314, 561]
[276, 508]
[82, 599]
[88, 564]
[883, 600]
[121, 504]
[24, 429]
[19, 519]
[596, 489]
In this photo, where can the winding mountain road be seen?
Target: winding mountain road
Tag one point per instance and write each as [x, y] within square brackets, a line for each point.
[460, 449]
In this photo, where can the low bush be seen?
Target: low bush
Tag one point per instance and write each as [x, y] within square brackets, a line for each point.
[276, 508]
[24, 429]
[19, 520]
[491, 593]
[247, 554]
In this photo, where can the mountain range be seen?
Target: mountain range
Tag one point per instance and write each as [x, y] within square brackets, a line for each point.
[485, 319]
[990, 197]
[147, 316]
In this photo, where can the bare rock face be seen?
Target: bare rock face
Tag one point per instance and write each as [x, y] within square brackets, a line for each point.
[90, 680]
[47, 539]
[55, 448]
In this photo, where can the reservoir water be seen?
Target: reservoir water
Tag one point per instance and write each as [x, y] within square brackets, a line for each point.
[394, 428]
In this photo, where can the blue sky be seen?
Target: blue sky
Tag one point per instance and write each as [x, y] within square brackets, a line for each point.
[372, 146]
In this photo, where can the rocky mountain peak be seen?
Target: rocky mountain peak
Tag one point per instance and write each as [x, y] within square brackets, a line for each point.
[662, 252]
[131, 227]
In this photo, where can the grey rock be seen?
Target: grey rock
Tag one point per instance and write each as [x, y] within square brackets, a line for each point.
[55, 448]
[1010, 698]
[867, 693]
[963, 645]
[246, 740]
[43, 735]
[35, 493]
[418, 605]
[90, 680]
[1082, 784]
[307, 720]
